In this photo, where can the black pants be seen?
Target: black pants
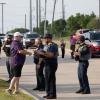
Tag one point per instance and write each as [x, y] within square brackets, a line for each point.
[50, 79]
[9, 67]
[82, 76]
[40, 77]
[63, 52]
[72, 47]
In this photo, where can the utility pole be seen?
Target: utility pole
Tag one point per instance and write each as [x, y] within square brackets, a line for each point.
[25, 21]
[2, 4]
[37, 16]
[63, 10]
[39, 12]
[45, 31]
[30, 16]
[53, 15]
[99, 9]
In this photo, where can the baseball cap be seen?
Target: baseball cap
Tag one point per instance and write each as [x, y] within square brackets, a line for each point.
[48, 35]
[17, 34]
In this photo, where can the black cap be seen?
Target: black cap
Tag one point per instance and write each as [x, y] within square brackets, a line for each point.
[82, 38]
[48, 35]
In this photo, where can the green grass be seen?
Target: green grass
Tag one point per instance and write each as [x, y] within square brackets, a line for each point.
[4, 96]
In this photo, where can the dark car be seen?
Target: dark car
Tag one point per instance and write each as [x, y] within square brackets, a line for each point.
[29, 39]
[2, 36]
[93, 40]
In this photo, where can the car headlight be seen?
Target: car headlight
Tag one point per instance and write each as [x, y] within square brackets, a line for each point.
[95, 44]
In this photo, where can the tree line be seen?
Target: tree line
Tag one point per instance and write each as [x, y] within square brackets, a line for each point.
[63, 27]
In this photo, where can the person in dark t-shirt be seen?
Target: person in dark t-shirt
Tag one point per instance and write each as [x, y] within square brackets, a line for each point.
[17, 61]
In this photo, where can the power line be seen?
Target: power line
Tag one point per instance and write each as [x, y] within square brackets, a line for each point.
[2, 4]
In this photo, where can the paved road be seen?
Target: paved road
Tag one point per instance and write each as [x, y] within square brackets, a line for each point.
[67, 82]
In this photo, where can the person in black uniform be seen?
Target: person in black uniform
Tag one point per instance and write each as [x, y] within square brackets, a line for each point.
[51, 64]
[39, 66]
[83, 55]
[62, 45]
[6, 48]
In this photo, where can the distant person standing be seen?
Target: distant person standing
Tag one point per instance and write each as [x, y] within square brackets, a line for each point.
[17, 62]
[6, 47]
[62, 45]
[50, 54]
[39, 61]
[72, 45]
[83, 55]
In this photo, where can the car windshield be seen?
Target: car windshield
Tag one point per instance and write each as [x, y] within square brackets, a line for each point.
[95, 36]
[1, 37]
[32, 36]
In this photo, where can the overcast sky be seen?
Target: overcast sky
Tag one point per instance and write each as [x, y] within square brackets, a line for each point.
[15, 10]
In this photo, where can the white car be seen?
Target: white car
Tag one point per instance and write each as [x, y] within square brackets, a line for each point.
[29, 39]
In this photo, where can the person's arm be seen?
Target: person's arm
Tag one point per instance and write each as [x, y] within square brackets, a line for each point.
[53, 51]
[24, 52]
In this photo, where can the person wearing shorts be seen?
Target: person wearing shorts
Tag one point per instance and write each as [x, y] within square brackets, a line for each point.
[17, 60]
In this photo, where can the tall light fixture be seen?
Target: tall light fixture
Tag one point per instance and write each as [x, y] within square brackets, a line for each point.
[2, 4]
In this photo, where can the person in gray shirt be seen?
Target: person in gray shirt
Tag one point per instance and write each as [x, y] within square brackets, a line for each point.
[82, 54]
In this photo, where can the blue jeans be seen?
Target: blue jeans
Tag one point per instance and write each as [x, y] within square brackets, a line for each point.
[82, 76]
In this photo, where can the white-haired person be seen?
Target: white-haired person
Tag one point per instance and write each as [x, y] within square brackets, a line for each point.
[18, 55]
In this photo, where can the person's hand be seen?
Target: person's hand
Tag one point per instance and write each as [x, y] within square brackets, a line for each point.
[76, 53]
[40, 53]
[30, 54]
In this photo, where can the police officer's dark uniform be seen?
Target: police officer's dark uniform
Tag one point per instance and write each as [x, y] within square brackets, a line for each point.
[39, 71]
[6, 48]
[83, 57]
[51, 65]
[63, 49]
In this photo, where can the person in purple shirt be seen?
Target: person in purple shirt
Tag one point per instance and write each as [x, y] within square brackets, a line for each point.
[17, 61]
[72, 45]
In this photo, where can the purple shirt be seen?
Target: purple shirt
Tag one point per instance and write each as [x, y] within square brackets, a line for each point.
[16, 58]
[72, 40]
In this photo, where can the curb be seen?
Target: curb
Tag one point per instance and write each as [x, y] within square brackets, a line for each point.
[27, 93]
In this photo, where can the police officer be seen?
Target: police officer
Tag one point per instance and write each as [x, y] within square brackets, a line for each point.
[83, 55]
[62, 45]
[39, 66]
[6, 48]
[51, 64]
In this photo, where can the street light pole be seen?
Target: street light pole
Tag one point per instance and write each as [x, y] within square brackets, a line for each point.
[53, 15]
[63, 10]
[25, 21]
[99, 9]
[45, 31]
[2, 4]
[37, 5]
[30, 16]
[39, 12]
